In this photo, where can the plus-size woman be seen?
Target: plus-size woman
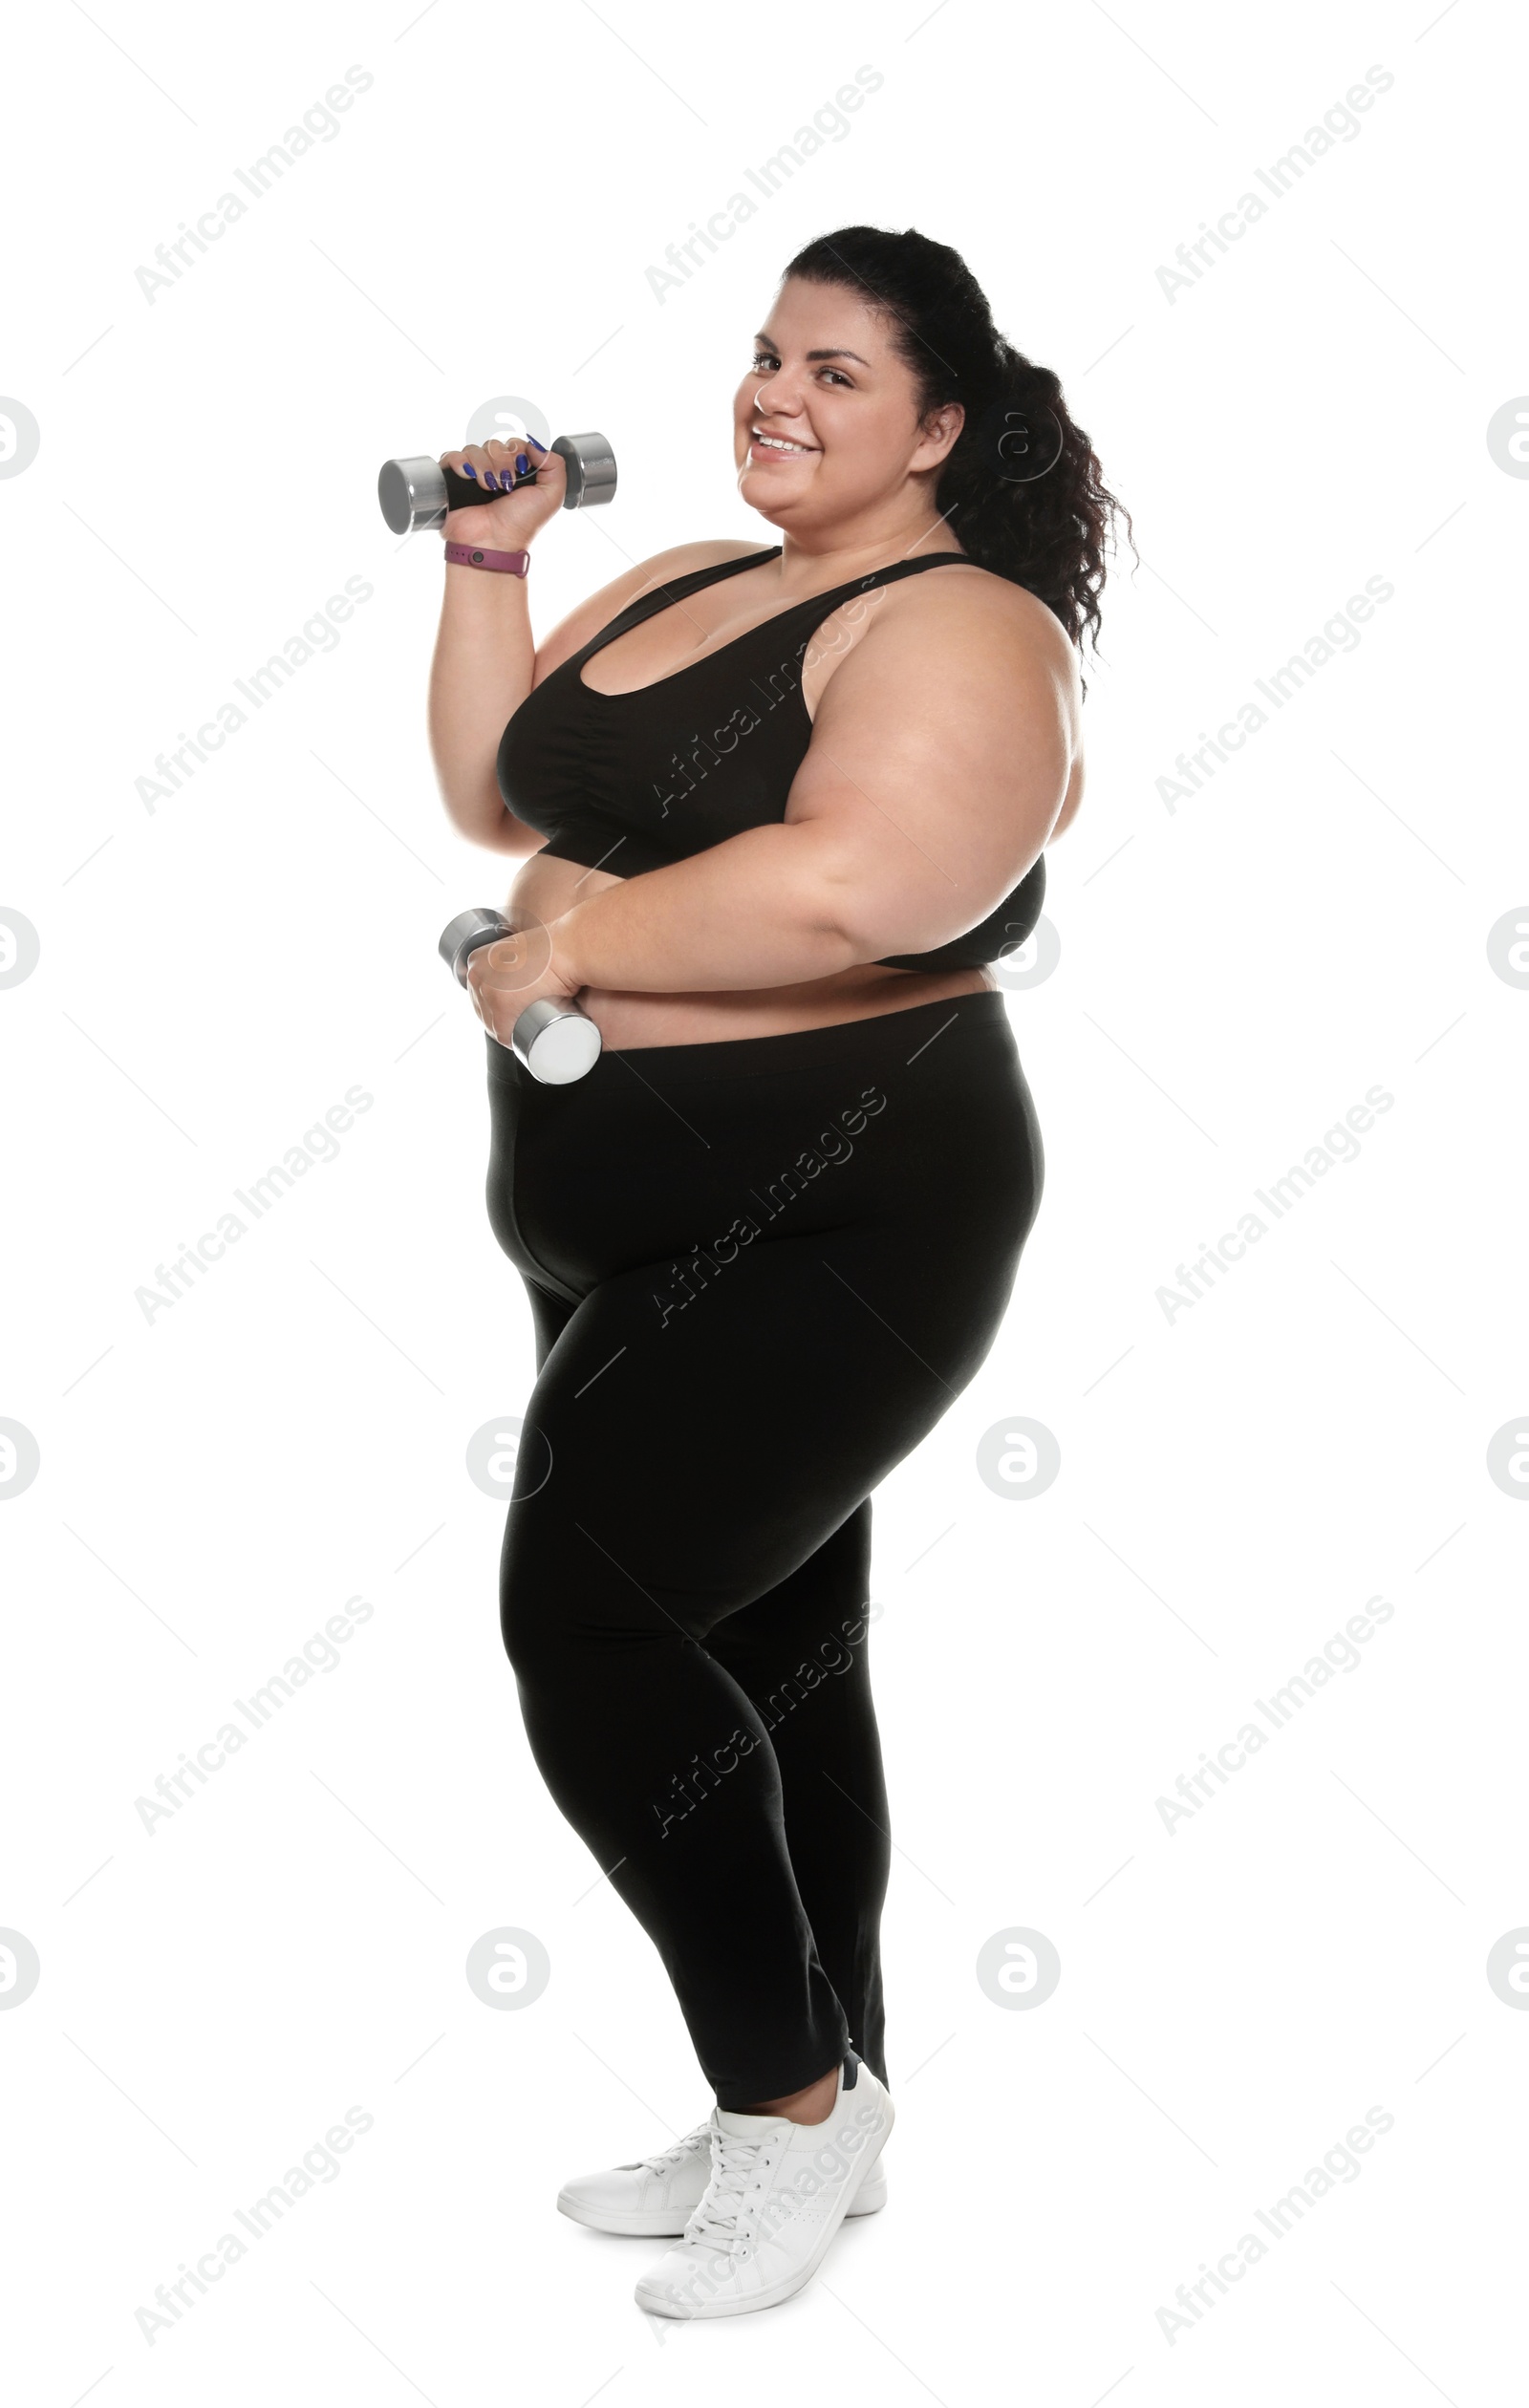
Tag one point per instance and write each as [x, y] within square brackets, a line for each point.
[794, 800]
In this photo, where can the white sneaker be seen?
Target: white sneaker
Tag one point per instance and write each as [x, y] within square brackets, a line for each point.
[778, 2193]
[658, 2195]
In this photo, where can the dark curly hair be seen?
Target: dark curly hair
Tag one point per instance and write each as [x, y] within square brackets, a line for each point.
[1047, 530]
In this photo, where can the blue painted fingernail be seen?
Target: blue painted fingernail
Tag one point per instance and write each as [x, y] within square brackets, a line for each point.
[489, 479]
[531, 439]
[468, 470]
[522, 463]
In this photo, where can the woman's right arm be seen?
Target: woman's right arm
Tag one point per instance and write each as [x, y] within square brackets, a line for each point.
[486, 660]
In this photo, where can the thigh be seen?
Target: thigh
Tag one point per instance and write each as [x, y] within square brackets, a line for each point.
[777, 1296]
[710, 1452]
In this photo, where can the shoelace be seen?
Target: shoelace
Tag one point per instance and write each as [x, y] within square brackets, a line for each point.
[735, 2163]
[662, 2158]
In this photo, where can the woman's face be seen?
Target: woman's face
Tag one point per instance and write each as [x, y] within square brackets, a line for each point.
[825, 429]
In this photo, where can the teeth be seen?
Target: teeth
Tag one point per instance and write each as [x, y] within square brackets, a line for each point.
[776, 444]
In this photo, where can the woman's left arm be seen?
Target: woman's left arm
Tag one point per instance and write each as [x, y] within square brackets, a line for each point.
[939, 760]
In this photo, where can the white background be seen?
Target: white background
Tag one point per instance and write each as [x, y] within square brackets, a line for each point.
[1235, 1481]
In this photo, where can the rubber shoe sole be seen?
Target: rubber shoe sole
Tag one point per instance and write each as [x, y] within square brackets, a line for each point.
[661, 2224]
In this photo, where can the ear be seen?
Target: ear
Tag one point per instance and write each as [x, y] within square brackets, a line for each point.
[940, 429]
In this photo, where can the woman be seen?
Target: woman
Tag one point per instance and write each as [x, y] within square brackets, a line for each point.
[795, 800]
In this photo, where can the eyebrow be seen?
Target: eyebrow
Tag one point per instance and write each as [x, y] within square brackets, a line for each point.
[841, 354]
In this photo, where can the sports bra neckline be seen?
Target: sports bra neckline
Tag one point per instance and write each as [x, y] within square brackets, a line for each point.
[667, 597]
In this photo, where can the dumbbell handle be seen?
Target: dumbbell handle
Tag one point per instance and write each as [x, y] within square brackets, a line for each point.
[417, 492]
[552, 1037]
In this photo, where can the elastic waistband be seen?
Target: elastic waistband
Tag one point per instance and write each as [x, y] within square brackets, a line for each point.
[881, 1037]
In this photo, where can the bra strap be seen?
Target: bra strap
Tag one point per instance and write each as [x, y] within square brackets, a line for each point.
[898, 569]
[647, 605]
[662, 597]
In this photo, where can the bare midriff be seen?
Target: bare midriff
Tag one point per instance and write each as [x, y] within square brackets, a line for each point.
[627, 1019]
[547, 888]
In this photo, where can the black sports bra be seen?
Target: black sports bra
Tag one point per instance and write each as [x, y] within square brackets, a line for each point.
[632, 782]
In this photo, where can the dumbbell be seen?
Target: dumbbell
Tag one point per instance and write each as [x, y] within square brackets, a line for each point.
[417, 493]
[554, 1041]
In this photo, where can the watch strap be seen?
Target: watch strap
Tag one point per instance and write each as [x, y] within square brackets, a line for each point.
[474, 556]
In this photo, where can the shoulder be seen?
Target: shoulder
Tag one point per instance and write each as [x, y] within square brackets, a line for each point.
[587, 618]
[964, 605]
[961, 629]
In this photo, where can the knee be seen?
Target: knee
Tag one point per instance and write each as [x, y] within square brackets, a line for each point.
[535, 1592]
[566, 1629]
[536, 1633]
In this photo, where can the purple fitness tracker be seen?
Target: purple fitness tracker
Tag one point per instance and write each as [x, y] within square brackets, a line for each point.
[474, 556]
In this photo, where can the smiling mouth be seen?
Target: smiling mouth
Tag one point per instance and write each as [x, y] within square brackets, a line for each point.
[778, 442]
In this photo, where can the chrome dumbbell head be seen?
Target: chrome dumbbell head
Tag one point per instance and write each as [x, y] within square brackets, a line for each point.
[412, 493]
[557, 1042]
[417, 492]
[591, 466]
[467, 931]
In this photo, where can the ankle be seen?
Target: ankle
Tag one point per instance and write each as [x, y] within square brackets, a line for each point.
[813, 2105]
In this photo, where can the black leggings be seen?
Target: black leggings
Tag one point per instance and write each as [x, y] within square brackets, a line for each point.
[759, 1271]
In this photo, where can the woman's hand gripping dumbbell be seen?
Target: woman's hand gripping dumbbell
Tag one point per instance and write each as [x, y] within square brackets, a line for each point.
[520, 997]
[496, 494]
